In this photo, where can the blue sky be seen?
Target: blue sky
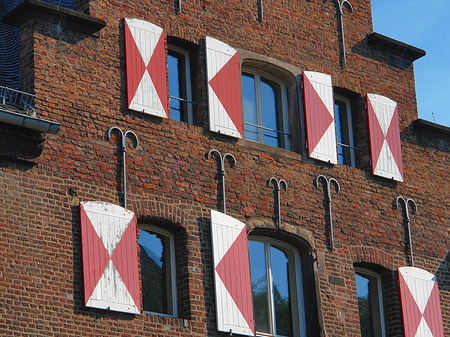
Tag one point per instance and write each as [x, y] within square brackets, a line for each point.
[426, 25]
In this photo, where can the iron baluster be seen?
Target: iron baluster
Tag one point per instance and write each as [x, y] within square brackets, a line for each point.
[222, 173]
[341, 14]
[278, 188]
[328, 187]
[123, 149]
[408, 222]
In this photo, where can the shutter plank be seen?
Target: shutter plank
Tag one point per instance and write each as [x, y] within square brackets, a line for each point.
[146, 67]
[421, 309]
[232, 275]
[110, 260]
[224, 88]
[319, 116]
[384, 132]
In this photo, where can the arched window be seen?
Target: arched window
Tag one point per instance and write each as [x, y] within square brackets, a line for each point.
[370, 303]
[157, 258]
[277, 288]
[265, 105]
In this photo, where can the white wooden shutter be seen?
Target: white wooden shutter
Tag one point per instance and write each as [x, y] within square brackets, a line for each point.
[421, 309]
[110, 259]
[319, 115]
[232, 275]
[224, 88]
[146, 67]
[385, 146]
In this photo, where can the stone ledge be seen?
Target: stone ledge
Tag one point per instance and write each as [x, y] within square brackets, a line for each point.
[67, 18]
[395, 47]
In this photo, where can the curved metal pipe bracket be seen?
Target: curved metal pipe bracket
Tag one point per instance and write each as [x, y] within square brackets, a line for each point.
[222, 171]
[408, 202]
[328, 183]
[124, 149]
[341, 14]
[278, 183]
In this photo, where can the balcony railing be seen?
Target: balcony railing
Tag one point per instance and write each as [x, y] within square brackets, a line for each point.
[17, 98]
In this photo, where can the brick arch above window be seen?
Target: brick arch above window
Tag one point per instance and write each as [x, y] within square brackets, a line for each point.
[294, 235]
[153, 210]
[375, 256]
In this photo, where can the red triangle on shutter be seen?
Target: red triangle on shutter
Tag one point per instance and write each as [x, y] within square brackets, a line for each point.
[125, 258]
[432, 313]
[411, 312]
[318, 118]
[377, 137]
[135, 64]
[233, 270]
[393, 140]
[156, 68]
[226, 85]
[95, 256]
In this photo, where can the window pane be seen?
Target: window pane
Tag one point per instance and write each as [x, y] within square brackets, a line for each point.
[281, 296]
[259, 286]
[175, 64]
[249, 101]
[343, 131]
[270, 102]
[155, 272]
[364, 306]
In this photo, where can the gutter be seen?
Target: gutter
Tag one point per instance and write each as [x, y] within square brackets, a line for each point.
[29, 122]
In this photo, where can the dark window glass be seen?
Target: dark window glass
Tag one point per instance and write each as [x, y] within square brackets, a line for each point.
[344, 132]
[156, 272]
[179, 86]
[368, 289]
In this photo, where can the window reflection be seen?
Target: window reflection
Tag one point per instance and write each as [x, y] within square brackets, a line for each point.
[370, 304]
[156, 272]
[273, 281]
[264, 104]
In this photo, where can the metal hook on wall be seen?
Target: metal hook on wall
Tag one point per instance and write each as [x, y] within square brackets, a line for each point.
[222, 172]
[328, 187]
[278, 183]
[341, 14]
[123, 149]
[407, 202]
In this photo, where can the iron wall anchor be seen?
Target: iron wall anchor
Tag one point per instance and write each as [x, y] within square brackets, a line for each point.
[222, 172]
[328, 187]
[278, 184]
[407, 202]
[123, 149]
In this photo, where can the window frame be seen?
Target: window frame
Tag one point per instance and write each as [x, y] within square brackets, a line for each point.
[295, 279]
[282, 114]
[382, 324]
[347, 160]
[172, 301]
[187, 84]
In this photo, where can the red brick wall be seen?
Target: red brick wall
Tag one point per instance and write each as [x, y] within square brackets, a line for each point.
[80, 82]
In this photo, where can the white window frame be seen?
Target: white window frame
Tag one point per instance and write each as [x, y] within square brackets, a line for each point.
[349, 126]
[295, 280]
[172, 301]
[284, 105]
[368, 272]
[187, 84]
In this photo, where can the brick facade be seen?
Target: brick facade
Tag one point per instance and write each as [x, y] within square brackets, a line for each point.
[80, 81]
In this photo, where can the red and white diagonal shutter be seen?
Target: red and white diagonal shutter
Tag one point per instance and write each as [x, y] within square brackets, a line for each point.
[232, 275]
[384, 133]
[110, 258]
[146, 67]
[421, 309]
[224, 88]
[319, 115]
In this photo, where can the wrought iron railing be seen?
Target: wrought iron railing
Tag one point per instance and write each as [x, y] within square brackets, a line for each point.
[17, 98]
